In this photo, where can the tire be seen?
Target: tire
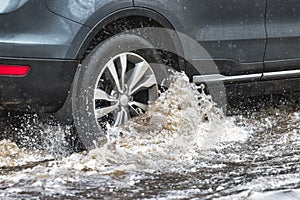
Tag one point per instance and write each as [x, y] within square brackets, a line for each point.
[117, 81]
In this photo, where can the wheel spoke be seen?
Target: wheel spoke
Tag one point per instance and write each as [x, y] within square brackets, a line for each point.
[144, 107]
[137, 74]
[122, 117]
[135, 110]
[102, 95]
[126, 115]
[118, 120]
[147, 83]
[123, 60]
[101, 112]
[113, 72]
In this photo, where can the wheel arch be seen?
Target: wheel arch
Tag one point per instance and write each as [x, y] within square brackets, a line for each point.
[98, 32]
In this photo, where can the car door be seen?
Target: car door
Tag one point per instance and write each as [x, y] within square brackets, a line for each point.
[232, 31]
[283, 30]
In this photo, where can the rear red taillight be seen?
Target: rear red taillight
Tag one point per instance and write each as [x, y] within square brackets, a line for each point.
[13, 70]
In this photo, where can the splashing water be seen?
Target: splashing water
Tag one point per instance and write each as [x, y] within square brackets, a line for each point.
[183, 144]
[180, 124]
[176, 128]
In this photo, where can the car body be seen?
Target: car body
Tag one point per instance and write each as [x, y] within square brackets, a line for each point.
[255, 43]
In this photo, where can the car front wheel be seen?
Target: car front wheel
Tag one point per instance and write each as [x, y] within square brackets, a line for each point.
[116, 82]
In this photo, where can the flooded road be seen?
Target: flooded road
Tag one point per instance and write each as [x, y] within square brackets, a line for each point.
[182, 148]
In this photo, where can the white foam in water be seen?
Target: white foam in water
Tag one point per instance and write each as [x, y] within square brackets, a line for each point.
[174, 130]
[171, 135]
[12, 156]
[273, 195]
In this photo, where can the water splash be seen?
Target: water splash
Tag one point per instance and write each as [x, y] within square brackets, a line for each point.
[177, 127]
[170, 137]
[180, 124]
[12, 156]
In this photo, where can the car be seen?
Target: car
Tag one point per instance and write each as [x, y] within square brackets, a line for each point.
[95, 62]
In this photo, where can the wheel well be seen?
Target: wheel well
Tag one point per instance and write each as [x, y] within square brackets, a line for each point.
[118, 26]
[129, 23]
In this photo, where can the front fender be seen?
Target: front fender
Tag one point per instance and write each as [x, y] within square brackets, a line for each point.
[86, 12]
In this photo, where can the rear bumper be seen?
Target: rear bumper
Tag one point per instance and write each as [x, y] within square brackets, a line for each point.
[45, 87]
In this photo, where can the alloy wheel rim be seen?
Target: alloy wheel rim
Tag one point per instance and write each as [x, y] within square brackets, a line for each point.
[125, 88]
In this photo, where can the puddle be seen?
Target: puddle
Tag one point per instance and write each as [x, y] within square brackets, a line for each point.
[183, 147]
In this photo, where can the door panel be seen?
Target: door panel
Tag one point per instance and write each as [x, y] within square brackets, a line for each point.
[231, 29]
[283, 30]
